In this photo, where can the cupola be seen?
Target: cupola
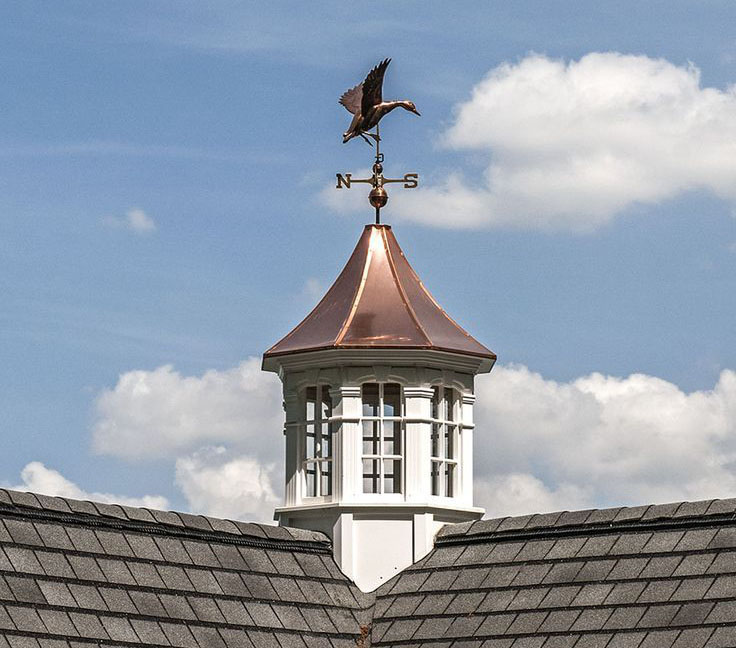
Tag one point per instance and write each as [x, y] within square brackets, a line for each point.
[378, 395]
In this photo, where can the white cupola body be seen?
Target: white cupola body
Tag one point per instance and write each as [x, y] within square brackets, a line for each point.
[378, 395]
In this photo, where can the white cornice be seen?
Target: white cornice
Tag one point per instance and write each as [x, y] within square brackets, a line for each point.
[343, 357]
[395, 507]
[418, 392]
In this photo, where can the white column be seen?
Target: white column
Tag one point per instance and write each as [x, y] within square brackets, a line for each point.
[423, 534]
[418, 404]
[343, 544]
[466, 444]
[292, 490]
[337, 443]
[348, 445]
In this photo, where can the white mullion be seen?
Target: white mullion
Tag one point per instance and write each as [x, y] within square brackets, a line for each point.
[381, 412]
[451, 436]
[317, 440]
[315, 424]
[321, 440]
[380, 437]
[304, 486]
[442, 411]
[447, 440]
[402, 436]
[443, 433]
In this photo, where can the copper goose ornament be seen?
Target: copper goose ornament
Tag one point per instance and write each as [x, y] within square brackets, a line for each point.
[365, 102]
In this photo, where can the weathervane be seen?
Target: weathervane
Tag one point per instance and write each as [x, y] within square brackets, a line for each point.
[365, 102]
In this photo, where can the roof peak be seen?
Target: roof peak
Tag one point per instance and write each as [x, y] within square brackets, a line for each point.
[171, 523]
[671, 515]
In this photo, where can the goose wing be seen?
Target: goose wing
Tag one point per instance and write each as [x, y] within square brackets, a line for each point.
[373, 87]
[352, 99]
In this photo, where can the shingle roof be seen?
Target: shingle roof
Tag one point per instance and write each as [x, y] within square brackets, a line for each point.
[643, 577]
[78, 574]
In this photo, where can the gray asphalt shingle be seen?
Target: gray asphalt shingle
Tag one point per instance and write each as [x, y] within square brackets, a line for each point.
[621, 578]
[133, 576]
[645, 577]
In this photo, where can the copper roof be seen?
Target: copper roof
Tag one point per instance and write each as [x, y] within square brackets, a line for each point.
[378, 301]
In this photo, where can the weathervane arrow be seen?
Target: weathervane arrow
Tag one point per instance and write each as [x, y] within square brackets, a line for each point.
[365, 102]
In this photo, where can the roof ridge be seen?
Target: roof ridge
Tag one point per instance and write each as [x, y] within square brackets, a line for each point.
[358, 290]
[669, 515]
[172, 523]
[402, 291]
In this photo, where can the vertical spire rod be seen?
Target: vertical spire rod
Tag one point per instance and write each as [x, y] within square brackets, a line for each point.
[375, 175]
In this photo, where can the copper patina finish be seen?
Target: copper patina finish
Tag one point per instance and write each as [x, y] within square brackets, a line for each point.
[378, 301]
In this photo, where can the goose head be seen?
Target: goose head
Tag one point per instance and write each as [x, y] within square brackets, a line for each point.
[409, 105]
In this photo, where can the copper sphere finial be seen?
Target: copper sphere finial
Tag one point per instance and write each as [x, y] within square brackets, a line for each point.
[378, 197]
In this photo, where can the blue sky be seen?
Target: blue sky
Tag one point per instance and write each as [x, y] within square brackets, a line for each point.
[164, 169]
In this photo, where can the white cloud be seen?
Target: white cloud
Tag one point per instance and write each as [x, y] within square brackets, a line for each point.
[160, 413]
[571, 145]
[313, 289]
[600, 440]
[220, 484]
[222, 429]
[139, 221]
[540, 444]
[520, 493]
[136, 220]
[38, 478]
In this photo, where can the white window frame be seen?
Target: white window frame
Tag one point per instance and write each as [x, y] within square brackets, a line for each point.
[382, 457]
[317, 461]
[447, 426]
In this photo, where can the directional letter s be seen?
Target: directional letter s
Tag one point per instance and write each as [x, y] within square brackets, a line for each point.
[411, 180]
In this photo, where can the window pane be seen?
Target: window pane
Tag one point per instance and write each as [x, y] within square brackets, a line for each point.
[435, 467]
[311, 479]
[449, 480]
[435, 439]
[449, 404]
[326, 478]
[370, 399]
[391, 437]
[370, 475]
[392, 399]
[435, 402]
[370, 437]
[311, 396]
[450, 441]
[326, 402]
[310, 450]
[326, 441]
[392, 475]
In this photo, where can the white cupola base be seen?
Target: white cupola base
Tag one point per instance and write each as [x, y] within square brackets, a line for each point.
[371, 546]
